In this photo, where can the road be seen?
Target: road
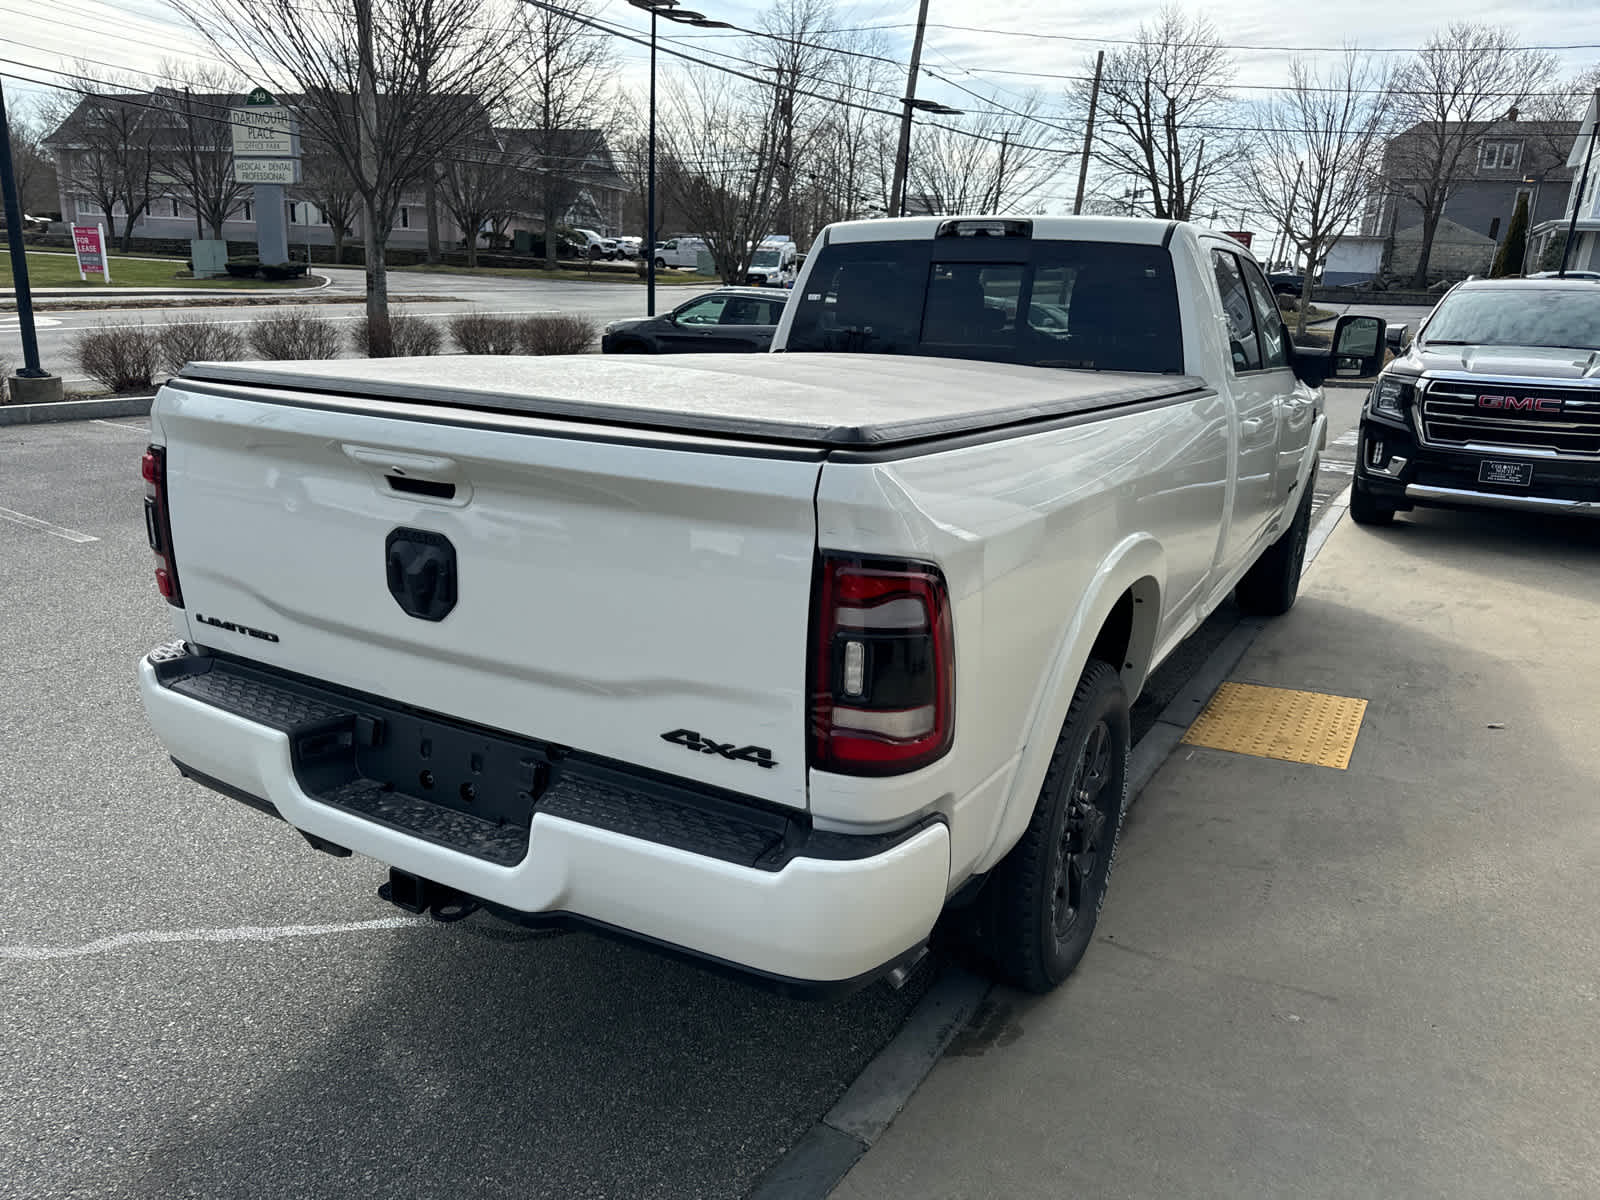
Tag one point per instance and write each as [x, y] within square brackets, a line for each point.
[603, 302]
[199, 1004]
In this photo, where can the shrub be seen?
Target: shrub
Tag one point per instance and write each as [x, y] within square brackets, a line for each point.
[295, 335]
[412, 336]
[199, 341]
[479, 333]
[289, 270]
[243, 267]
[564, 334]
[121, 360]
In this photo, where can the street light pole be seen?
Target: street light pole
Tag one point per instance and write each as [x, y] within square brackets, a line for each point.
[19, 256]
[670, 10]
[650, 206]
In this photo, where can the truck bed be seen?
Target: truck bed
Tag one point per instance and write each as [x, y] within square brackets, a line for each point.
[825, 401]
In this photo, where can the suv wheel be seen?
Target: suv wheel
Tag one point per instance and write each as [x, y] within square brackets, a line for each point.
[1366, 508]
[1045, 896]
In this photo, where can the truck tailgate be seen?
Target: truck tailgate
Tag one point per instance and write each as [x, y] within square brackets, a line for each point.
[597, 593]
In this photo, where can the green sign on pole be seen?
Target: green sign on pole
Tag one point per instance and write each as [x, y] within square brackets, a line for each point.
[259, 95]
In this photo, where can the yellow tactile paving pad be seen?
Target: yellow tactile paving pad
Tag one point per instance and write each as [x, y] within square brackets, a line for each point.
[1303, 727]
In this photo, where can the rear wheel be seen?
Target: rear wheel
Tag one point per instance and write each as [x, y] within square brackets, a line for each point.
[1367, 509]
[1044, 897]
[1269, 588]
[661, 264]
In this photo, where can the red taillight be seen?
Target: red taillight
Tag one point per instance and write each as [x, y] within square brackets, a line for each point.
[158, 522]
[883, 667]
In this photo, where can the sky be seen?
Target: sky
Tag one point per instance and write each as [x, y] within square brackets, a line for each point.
[993, 57]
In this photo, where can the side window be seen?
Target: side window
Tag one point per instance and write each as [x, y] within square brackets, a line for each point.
[1274, 338]
[769, 312]
[1242, 343]
[707, 311]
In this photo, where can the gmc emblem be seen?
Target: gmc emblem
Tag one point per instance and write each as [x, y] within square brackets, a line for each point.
[1540, 404]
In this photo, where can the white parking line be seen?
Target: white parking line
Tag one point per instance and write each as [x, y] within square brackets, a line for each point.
[60, 531]
[144, 429]
[239, 933]
[1348, 439]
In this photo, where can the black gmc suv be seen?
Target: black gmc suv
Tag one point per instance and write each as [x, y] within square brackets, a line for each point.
[1495, 405]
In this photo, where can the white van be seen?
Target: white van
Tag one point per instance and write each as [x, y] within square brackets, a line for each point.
[775, 264]
[681, 252]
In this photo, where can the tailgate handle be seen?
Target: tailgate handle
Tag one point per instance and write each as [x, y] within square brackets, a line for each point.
[421, 476]
[397, 462]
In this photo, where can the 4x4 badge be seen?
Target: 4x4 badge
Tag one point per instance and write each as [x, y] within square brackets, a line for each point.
[690, 740]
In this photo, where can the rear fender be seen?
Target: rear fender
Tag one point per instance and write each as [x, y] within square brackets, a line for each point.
[1136, 566]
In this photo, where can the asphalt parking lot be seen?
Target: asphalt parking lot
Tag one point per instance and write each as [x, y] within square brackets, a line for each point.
[202, 1005]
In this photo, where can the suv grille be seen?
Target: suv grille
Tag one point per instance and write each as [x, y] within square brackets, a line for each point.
[1563, 420]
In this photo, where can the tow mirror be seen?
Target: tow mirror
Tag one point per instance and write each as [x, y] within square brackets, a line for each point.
[1358, 346]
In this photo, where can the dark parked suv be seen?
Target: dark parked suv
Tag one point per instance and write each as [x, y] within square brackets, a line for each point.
[728, 319]
[1495, 405]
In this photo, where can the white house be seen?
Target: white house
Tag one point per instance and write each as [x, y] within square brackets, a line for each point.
[1584, 254]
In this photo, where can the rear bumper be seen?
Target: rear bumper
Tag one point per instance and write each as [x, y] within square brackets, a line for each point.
[1400, 471]
[839, 918]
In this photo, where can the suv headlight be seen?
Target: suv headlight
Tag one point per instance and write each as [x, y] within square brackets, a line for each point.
[1391, 395]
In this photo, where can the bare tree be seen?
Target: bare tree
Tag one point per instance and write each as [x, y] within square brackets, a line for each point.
[990, 161]
[797, 58]
[1445, 99]
[195, 143]
[30, 163]
[721, 163]
[111, 138]
[386, 86]
[563, 100]
[1162, 100]
[327, 183]
[1311, 167]
[851, 165]
[478, 187]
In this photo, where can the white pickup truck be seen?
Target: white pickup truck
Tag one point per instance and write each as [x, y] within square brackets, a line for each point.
[763, 658]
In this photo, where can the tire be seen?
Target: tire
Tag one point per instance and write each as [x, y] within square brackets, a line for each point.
[1367, 509]
[1044, 897]
[595, 253]
[1270, 586]
[661, 264]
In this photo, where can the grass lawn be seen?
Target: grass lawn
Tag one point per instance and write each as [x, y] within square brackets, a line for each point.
[668, 278]
[61, 270]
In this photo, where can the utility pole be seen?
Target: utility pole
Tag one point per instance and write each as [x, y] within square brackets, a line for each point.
[1000, 171]
[32, 383]
[903, 151]
[1583, 186]
[1088, 132]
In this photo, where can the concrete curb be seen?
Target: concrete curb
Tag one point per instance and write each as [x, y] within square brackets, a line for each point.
[75, 410]
[816, 1163]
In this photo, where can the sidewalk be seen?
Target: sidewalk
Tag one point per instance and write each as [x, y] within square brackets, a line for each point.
[1381, 981]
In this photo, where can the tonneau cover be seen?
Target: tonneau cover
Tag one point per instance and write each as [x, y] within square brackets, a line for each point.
[861, 401]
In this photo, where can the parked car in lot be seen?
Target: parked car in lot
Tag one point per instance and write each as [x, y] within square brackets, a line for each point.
[593, 245]
[726, 319]
[1566, 275]
[1496, 404]
[774, 264]
[680, 252]
[628, 247]
[767, 659]
[1287, 283]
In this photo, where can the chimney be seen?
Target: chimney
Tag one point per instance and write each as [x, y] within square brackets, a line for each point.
[1511, 114]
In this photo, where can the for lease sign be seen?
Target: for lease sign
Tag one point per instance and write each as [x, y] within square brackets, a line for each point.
[89, 241]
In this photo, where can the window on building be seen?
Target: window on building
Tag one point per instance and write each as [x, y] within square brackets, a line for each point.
[405, 217]
[303, 212]
[1499, 156]
[1494, 230]
[249, 212]
[172, 203]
